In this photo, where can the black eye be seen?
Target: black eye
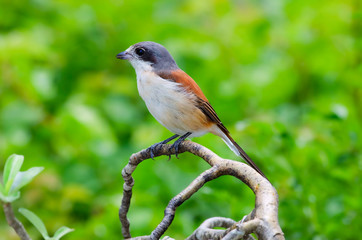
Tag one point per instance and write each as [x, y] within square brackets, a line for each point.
[140, 51]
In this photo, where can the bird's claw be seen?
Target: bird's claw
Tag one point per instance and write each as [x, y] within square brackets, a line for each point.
[152, 149]
[175, 146]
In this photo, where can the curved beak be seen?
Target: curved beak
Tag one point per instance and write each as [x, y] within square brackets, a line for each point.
[124, 55]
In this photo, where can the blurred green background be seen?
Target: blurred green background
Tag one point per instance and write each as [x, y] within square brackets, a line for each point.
[284, 76]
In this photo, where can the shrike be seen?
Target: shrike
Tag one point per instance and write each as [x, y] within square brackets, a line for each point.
[174, 98]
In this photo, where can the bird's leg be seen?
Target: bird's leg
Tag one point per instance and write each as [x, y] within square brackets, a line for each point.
[176, 144]
[153, 147]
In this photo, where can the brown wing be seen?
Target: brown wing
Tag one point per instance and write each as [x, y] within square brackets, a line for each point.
[209, 111]
[181, 77]
[191, 86]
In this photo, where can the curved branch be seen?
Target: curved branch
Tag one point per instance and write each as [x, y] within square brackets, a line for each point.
[14, 222]
[263, 221]
[207, 231]
[203, 178]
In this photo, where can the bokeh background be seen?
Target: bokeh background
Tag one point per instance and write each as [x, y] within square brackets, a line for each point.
[284, 76]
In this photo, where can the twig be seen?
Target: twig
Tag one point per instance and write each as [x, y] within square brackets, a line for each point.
[206, 231]
[206, 176]
[126, 201]
[263, 219]
[14, 222]
[243, 229]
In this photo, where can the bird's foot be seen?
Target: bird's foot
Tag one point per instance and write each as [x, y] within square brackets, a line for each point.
[175, 146]
[153, 149]
[154, 146]
[177, 143]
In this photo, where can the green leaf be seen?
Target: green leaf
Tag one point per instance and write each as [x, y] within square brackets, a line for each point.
[9, 197]
[2, 189]
[36, 221]
[2, 197]
[12, 167]
[61, 232]
[23, 178]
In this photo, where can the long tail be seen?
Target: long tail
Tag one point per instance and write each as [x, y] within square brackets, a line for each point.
[240, 152]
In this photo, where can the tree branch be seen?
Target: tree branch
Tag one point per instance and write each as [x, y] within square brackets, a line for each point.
[206, 231]
[263, 221]
[206, 176]
[14, 222]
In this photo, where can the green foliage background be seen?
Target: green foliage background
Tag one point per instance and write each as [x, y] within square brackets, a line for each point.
[285, 77]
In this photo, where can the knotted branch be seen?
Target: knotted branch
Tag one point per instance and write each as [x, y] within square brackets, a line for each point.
[14, 222]
[263, 220]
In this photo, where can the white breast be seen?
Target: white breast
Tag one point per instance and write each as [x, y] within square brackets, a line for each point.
[167, 101]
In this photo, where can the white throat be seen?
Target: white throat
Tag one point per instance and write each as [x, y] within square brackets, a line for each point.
[141, 66]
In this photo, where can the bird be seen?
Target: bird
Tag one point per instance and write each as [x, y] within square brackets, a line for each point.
[174, 99]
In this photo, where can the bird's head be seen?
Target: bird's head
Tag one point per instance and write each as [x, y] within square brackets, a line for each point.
[149, 56]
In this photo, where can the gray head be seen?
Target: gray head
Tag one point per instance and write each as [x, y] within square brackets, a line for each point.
[149, 56]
